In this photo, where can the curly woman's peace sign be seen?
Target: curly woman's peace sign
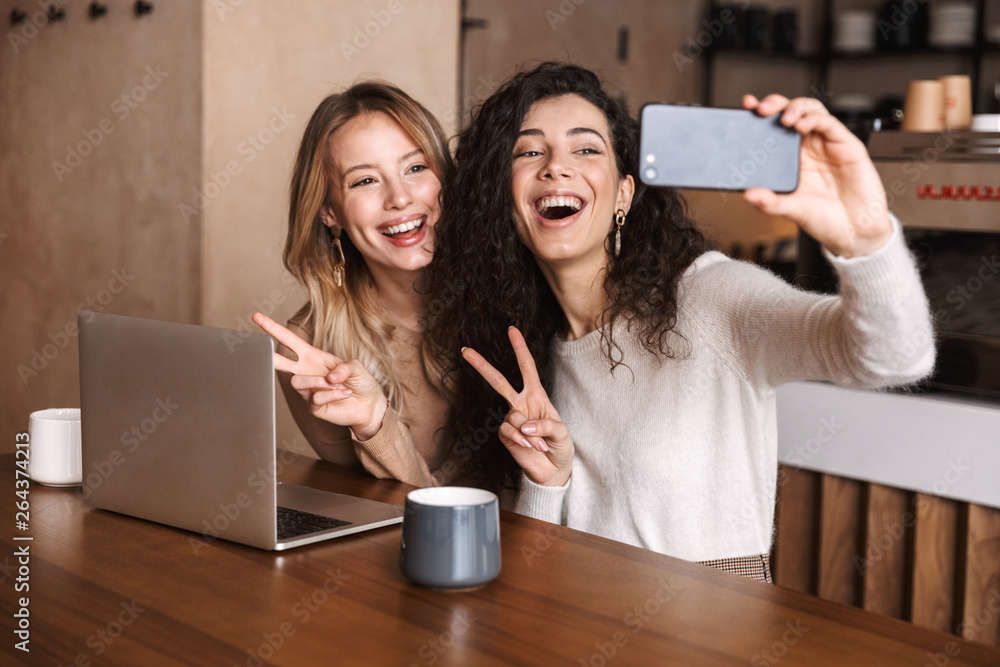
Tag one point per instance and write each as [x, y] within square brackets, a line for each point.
[532, 432]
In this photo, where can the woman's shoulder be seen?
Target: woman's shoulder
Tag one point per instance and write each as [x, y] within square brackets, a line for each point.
[300, 323]
[714, 271]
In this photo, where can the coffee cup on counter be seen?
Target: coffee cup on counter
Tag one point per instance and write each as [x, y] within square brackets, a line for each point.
[986, 122]
[957, 102]
[54, 456]
[451, 537]
[924, 107]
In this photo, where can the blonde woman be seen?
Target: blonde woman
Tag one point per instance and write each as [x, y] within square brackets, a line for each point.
[364, 202]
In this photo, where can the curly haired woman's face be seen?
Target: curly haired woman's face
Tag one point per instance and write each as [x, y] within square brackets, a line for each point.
[383, 193]
[565, 182]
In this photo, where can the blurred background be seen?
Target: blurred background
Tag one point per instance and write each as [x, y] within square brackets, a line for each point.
[146, 147]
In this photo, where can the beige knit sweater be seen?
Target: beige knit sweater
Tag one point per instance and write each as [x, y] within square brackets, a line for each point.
[407, 447]
[680, 455]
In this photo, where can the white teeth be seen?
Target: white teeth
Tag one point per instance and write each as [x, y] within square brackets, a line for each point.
[574, 203]
[405, 227]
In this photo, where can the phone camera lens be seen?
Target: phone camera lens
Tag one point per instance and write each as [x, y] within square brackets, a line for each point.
[650, 174]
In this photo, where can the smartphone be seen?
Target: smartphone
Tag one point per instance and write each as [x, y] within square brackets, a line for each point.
[685, 146]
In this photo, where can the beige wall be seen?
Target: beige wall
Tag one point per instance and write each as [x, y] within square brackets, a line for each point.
[267, 66]
[526, 32]
[229, 69]
[65, 233]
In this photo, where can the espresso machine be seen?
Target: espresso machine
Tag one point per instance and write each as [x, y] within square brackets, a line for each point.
[945, 189]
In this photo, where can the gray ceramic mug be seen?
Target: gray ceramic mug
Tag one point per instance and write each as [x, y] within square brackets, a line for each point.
[451, 537]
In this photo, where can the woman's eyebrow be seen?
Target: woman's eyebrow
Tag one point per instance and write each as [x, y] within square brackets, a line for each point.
[575, 131]
[586, 130]
[358, 167]
[411, 154]
[406, 157]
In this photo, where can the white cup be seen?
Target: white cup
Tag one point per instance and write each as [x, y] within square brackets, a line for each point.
[54, 449]
[854, 32]
[986, 122]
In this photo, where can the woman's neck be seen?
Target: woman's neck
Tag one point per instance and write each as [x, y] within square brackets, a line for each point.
[579, 289]
[398, 294]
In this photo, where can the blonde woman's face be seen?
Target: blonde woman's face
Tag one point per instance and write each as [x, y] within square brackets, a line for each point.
[383, 193]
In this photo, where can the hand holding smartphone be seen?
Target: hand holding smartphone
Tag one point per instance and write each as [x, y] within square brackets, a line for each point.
[716, 149]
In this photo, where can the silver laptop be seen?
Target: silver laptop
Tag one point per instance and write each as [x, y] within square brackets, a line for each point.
[178, 428]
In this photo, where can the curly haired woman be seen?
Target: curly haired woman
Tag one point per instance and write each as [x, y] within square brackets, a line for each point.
[649, 366]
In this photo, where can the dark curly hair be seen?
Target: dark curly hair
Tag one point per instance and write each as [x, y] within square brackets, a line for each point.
[483, 279]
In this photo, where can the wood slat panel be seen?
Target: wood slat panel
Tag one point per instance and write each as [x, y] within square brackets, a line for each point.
[841, 530]
[934, 562]
[887, 538]
[796, 553]
[981, 613]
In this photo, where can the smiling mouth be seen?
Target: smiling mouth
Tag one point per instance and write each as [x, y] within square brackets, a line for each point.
[404, 230]
[558, 208]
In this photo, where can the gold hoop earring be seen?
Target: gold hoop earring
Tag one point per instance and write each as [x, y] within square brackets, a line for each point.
[338, 262]
[619, 223]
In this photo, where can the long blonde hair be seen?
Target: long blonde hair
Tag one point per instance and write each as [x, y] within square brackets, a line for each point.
[348, 320]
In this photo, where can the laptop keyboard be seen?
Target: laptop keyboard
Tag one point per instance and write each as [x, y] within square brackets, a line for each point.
[295, 523]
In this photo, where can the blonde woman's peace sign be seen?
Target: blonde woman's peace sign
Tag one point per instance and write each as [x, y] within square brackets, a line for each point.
[337, 391]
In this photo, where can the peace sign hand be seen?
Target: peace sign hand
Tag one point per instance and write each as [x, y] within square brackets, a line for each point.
[533, 432]
[340, 392]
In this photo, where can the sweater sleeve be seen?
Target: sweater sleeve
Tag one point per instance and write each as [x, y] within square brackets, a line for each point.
[541, 502]
[391, 454]
[876, 333]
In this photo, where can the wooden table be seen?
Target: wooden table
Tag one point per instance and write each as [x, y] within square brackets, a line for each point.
[109, 589]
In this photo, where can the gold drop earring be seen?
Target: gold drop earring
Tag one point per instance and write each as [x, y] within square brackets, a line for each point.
[338, 253]
[619, 223]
